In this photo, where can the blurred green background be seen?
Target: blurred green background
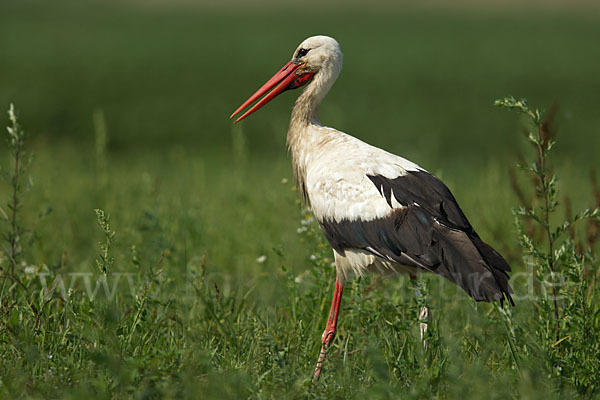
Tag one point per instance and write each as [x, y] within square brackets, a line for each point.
[419, 82]
[126, 108]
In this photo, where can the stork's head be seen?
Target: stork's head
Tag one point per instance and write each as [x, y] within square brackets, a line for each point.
[318, 53]
[317, 61]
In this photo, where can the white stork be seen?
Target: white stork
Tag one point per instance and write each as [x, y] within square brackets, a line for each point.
[379, 212]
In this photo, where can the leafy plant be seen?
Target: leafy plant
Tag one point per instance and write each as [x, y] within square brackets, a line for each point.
[14, 177]
[567, 310]
[105, 260]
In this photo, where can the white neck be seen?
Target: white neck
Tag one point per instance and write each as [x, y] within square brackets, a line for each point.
[306, 109]
[304, 117]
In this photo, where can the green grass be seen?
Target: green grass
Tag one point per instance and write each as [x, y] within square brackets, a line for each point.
[201, 200]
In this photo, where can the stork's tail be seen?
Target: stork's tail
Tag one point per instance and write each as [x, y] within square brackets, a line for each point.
[499, 268]
[473, 265]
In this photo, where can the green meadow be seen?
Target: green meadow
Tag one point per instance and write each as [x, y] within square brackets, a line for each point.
[210, 280]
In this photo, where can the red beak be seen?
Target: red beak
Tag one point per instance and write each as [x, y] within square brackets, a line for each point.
[284, 79]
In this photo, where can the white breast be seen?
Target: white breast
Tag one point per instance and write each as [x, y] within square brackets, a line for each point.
[337, 182]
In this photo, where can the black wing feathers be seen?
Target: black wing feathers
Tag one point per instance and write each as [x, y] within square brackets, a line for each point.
[429, 232]
[428, 192]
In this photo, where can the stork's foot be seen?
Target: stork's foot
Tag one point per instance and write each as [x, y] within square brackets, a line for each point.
[424, 318]
[424, 313]
[326, 340]
[320, 362]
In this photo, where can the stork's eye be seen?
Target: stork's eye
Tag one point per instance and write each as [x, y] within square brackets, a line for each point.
[302, 53]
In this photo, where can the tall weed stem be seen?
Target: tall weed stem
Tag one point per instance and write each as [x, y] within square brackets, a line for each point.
[14, 176]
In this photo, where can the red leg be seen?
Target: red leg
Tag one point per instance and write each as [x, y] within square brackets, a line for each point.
[331, 328]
